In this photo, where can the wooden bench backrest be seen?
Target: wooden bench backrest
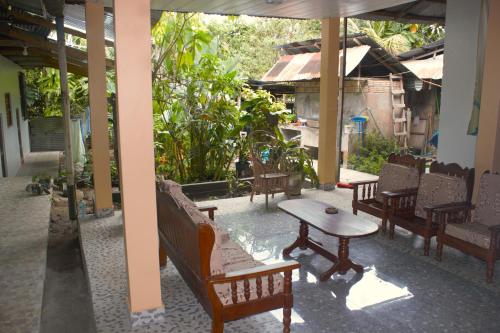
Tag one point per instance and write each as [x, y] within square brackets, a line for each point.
[188, 244]
[409, 161]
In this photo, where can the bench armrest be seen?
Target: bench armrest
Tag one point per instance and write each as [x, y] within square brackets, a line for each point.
[209, 209]
[251, 273]
[400, 193]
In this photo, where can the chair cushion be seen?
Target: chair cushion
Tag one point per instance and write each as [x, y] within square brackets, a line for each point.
[474, 233]
[396, 177]
[229, 257]
[487, 210]
[439, 189]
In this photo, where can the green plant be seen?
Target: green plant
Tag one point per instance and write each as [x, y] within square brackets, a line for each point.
[40, 184]
[44, 92]
[196, 118]
[373, 154]
[287, 155]
[296, 159]
[260, 111]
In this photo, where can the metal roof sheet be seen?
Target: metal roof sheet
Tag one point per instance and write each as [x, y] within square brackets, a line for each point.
[431, 68]
[306, 66]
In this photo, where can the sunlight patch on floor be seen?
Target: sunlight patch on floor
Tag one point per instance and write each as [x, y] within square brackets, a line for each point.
[372, 290]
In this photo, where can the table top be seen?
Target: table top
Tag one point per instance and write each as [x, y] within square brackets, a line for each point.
[343, 224]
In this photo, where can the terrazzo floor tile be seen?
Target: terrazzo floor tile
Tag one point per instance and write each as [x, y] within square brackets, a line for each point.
[401, 290]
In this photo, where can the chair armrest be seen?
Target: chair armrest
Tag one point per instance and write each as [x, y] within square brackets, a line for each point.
[251, 273]
[400, 193]
[363, 182]
[449, 207]
[444, 212]
[495, 230]
[209, 209]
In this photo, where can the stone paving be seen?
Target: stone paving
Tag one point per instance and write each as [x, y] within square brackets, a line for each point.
[24, 223]
[400, 290]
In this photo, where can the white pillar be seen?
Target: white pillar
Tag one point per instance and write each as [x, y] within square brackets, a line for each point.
[459, 82]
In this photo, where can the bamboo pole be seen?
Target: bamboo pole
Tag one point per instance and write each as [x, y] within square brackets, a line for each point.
[63, 74]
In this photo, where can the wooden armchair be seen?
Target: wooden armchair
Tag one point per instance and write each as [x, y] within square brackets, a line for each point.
[267, 179]
[474, 230]
[401, 172]
[415, 209]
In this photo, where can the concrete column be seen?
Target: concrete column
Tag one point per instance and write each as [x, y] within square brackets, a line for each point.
[488, 139]
[459, 82]
[328, 115]
[94, 17]
[135, 132]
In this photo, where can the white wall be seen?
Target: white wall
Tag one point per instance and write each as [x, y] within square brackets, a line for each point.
[459, 76]
[9, 83]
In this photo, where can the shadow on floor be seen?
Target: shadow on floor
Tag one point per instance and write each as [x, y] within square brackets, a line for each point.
[67, 304]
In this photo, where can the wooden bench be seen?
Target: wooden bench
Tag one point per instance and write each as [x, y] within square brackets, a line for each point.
[226, 280]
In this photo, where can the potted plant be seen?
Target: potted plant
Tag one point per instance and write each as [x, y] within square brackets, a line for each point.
[296, 161]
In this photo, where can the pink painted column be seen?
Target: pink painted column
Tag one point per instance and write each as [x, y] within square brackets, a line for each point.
[94, 18]
[135, 132]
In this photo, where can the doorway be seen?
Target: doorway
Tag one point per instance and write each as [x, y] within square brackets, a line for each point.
[2, 149]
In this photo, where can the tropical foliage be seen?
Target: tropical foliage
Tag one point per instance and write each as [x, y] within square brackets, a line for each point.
[253, 41]
[194, 102]
[397, 37]
[44, 92]
[373, 153]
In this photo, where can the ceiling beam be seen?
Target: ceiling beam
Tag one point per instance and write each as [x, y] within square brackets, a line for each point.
[41, 43]
[28, 18]
[408, 7]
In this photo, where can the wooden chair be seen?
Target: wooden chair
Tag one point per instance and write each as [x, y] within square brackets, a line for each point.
[474, 230]
[267, 179]
[415, 209]
[401, 172]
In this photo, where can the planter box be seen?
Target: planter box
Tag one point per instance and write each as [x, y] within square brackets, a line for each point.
[197, 190]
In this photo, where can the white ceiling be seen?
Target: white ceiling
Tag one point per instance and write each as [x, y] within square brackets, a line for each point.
[276, 8]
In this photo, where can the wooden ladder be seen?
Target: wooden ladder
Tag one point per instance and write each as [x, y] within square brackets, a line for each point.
[401, 115]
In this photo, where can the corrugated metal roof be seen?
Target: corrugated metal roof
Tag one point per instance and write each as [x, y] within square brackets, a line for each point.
[307, 66]
[425, 51]
[423, 11]
[376, 62]
[431, 68]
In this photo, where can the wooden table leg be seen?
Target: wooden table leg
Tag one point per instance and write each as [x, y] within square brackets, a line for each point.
[344, 263]
[300, 242]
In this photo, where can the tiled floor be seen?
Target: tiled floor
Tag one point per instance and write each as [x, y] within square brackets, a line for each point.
[24, 223]
[400, 290]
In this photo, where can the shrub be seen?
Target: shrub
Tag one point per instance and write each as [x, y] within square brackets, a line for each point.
[373, 154]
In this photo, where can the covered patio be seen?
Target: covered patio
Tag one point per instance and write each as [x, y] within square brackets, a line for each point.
[400, 289]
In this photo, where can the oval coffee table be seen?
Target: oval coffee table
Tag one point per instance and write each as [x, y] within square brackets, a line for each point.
[344, 225]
